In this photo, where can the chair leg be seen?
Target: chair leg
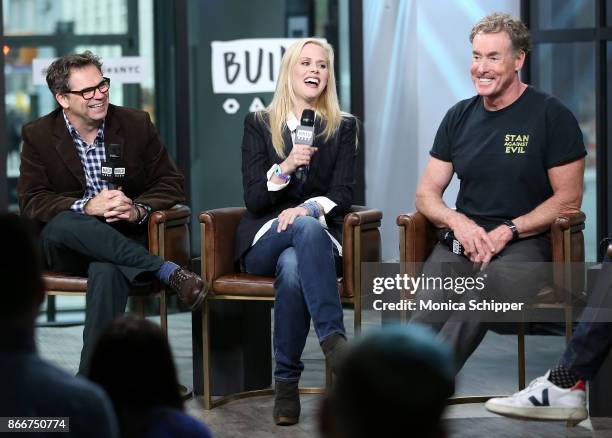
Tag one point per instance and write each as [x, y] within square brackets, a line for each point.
[51, 309]
[357, 317]
[163, 311]
[186, 393]
[569, 324]
[521, 355]
[206, 356]
[140, 306]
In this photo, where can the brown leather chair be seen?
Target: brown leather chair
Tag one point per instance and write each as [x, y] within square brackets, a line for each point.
[360, 243]
[418, 237]
[168, 237]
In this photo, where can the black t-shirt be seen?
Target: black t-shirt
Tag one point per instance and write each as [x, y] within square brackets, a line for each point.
[501, 157]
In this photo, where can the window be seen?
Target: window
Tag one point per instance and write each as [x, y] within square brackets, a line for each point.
[570, 59]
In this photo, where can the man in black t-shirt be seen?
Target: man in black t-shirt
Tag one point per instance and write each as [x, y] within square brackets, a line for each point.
[519, 156]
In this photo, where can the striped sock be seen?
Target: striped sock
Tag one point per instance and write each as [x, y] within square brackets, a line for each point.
[562, 377]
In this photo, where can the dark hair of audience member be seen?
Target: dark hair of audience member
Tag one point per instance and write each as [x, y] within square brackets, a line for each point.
[132, 361]
[386, 384]
[22, 289]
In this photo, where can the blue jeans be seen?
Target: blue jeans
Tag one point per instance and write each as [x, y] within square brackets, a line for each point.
[304, 261]
[592, 338]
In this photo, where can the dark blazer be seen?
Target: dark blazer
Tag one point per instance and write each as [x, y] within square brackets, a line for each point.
[331, 174]
[52, 176]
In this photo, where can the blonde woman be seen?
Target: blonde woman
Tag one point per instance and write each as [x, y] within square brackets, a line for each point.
[296, 197]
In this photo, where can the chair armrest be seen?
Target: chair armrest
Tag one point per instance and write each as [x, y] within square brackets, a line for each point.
[610, 251]
[169, 234]
[570, 220]
[363, 246]
[417, 237]
[567, 244]
[359, 215]
[178, 212]
[218, 228]
[563, 226]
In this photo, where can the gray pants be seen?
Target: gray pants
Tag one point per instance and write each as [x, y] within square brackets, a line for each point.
[507, 274]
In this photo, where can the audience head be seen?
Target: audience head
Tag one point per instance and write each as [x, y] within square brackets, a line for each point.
[132, 361]
[400, 376]
[21, 273]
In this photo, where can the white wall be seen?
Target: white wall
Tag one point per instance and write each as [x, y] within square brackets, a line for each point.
[416, 66]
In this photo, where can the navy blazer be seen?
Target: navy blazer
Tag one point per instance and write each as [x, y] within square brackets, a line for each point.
[331, 173]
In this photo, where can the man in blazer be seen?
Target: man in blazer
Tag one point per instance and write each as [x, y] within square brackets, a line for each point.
[90, 227]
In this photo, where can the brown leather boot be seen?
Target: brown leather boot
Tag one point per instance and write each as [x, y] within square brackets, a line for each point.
[189, 287]
[286, 403]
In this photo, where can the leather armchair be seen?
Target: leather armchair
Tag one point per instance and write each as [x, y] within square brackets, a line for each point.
[418, 237]
[168, 237]
[360, 243]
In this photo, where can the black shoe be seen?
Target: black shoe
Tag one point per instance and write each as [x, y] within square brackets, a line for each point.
[286, 403]
[189, 287]
[335, 349]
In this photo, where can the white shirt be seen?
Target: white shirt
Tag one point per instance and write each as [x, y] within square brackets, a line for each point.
[323, 201]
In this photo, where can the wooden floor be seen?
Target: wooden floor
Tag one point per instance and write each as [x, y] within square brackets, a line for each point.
[492, 369]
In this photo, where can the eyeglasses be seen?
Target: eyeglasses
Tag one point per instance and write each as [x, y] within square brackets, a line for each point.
[89, 93]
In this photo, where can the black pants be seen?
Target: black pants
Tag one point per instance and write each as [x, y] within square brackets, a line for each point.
[516, 274]
[82, 245]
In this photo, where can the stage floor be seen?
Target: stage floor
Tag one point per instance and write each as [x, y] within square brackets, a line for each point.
[491, 370]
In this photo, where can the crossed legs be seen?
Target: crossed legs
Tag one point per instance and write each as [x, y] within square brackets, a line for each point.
[83, 245]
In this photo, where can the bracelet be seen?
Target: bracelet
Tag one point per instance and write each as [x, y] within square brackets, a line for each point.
[279, 173]
[312, 208]
[138, 214]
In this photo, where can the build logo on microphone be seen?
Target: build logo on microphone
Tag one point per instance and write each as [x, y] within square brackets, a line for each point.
[303, 135]
[516, 143]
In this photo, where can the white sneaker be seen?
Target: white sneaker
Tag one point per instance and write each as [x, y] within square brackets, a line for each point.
[542, 400]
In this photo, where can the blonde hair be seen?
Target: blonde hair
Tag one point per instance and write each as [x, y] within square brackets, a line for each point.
[327, 107]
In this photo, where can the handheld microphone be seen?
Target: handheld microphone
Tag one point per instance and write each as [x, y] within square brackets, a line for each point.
[304, 134]
[113, 169]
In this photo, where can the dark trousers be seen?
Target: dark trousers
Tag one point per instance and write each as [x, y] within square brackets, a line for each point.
[82, 245]
[592, 338]
[516, 273]
[305, 263]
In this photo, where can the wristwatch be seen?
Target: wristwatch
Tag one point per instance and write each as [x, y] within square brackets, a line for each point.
[512, 226]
